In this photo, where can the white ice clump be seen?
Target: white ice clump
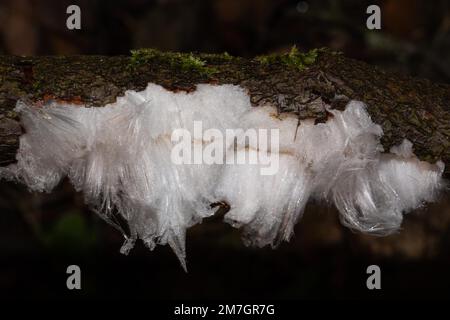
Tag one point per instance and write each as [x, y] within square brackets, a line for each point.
[339, 161]
[266, 206]
[120, 157]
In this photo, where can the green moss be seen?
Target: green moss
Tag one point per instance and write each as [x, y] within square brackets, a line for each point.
[186, 62]
[294, 58]
[217, 57]
[226, 56]
[37, 85]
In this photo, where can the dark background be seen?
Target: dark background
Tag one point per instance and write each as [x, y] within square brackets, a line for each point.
[41, 234]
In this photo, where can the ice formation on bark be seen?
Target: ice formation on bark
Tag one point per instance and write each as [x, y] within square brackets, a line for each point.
[119, 156]
[341, 162]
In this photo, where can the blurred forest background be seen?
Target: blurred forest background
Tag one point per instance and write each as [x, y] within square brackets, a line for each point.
[41, 234]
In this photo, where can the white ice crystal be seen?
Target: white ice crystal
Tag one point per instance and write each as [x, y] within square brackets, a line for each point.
[119, 156]
[340, 161]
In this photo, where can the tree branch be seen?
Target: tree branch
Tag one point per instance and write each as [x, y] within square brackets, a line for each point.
[405, 107]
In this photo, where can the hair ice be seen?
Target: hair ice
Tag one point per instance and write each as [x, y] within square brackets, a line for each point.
[120, 157]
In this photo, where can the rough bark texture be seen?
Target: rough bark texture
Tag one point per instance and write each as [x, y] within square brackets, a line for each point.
[405, 107]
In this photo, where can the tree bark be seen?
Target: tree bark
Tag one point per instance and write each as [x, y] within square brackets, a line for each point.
[405, 107]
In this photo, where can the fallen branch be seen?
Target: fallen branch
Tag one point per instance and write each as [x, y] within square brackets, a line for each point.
[405, 107]
[306, 85]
